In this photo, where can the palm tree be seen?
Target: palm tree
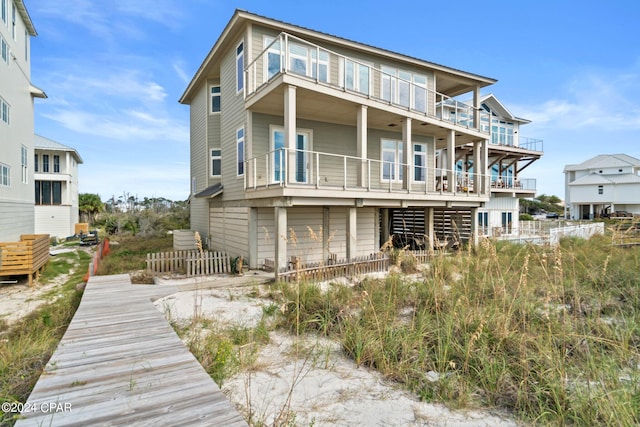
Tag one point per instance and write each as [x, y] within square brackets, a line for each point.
[90, 205]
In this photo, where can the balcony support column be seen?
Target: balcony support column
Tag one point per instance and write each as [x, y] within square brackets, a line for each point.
[352, 233]
[451, 161]
[290, 131]
[428, 229]
[280, 216]
[473, 238]
[407, 153]
[362, 145]
[479, 168]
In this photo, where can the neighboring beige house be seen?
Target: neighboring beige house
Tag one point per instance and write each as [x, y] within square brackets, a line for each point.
[56, 187]
[310, 145]
[16, 121]
[602, 186]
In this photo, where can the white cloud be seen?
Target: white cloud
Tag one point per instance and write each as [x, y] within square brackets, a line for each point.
[604, 100]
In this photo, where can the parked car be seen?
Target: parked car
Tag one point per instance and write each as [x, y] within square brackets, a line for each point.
[552, 215]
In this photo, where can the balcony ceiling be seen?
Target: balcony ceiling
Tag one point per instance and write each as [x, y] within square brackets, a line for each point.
[323, 107]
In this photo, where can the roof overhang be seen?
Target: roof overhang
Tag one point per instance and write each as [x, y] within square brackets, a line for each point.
[22, 10]
[210, 192]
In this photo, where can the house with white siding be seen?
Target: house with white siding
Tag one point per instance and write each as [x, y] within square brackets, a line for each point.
[603, 186]
[17, 95]
[56, 187]
[309, 145]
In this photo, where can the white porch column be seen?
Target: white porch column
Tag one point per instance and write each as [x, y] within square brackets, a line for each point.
[253, 238]
[362, 145]
[280, 216]
[478, 169]
[473, 239]
[352, 233]
[290, 131]
[486, 173]
[451, 161]
[325, 233]
[407, 153]
[384, 233]
[428, 228]
[591, 216]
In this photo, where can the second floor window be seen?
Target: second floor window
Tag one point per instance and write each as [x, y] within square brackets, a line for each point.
[4, 111]
[240, 67]
[216, 162]
[420, 162]
[35, 163]
[600, 189]
[45, 163]
[392, 154]
[4, 50]
[56, 164]
[23, 161]
[215, 99]
[3, 10]
[5, 175]
[240, 147]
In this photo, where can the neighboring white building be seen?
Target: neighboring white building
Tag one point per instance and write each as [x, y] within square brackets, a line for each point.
[603, 185]
[310, 145]
[56, 187]
[16, 121]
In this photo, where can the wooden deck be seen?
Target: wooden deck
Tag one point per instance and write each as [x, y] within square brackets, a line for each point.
[121, 363]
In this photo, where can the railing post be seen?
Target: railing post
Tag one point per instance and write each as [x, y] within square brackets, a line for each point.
[317, 170]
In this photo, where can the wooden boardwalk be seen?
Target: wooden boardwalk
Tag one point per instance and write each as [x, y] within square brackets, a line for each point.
[120, 363]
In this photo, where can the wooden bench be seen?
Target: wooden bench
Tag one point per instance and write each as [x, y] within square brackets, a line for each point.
[26, 257]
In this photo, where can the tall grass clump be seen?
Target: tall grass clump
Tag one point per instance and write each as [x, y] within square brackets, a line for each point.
[550, 335]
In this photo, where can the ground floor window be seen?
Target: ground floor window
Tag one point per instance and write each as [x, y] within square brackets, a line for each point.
[507, 221]
[48, 192]
[5, 175]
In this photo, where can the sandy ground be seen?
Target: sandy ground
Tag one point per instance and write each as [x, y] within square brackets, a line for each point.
[19, 299]
[322, 389]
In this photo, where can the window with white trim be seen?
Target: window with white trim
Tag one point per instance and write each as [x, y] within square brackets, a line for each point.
[404, 88]
[301, 158]
[215, 99]
[4, 111]
[23, 164]
[600, 189]
[56, 163]
[48, 192]
[240, 67]
[273, 64]
[216, 162]
[13, 21]
[355, 76]
[392, 154]
[3, 10]
[5, 175]
[35, 163]
[419, 162]
[4, 50]
[240, 151]
[45, 163]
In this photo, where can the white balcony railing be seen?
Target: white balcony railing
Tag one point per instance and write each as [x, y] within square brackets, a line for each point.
[510, 183]
[301, 168]
[287, 54]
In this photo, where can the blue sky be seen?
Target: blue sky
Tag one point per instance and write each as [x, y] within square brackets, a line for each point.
[114, 70]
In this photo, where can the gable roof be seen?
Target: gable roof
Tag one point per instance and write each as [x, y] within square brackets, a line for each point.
[42, 143]
[598, 179]
[241, 17]
[605, 161]
[494, 103]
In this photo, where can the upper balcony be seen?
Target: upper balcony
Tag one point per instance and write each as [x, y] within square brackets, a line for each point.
[334, 82]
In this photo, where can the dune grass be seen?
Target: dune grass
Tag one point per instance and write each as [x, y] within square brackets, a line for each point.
[550, 335]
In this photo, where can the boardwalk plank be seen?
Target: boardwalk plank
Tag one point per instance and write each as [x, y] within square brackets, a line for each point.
[120, 363]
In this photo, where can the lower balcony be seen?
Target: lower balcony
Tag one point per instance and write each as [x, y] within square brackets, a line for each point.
[302, 173]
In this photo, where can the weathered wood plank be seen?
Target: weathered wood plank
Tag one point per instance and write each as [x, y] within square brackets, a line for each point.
[121, 363]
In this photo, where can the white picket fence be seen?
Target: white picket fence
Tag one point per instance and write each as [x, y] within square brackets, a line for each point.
[191, 263]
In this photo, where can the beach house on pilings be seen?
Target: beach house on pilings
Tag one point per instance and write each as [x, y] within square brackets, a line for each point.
[306, 144]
